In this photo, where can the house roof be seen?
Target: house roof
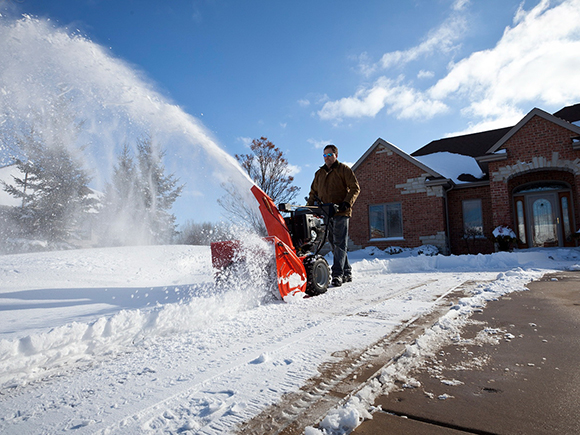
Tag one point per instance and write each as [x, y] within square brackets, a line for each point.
[569, 113]
[479, 144]
[472, 145]
[389, 146]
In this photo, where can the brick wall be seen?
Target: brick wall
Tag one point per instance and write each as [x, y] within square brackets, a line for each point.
[458, 244]
[387, 177]
[540, 150]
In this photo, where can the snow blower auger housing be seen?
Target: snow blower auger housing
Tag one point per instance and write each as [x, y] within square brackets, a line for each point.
[297, 240]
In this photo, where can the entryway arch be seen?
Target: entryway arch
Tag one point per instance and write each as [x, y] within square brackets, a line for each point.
[544, 214]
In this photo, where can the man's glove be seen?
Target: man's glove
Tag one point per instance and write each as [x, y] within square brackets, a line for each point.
[344, 206]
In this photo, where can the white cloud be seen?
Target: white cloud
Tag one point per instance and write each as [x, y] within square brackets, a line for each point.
[293, 169]
[318, 144]
[247, 141]
[535, 62]
[304, 102]
[442, 39]
[402, 100]
[459, 5]
[365, 65]
[425, 74]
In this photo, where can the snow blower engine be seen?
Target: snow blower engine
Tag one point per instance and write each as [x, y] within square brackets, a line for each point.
[297, 240]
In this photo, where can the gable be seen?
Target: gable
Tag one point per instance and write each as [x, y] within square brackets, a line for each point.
[542, 115]
[382, 146]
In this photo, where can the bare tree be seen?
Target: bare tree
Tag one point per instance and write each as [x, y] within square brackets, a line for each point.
[269, 169]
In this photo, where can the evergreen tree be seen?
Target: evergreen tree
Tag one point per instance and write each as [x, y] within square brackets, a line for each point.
[123, 207]
[139, 198]
[53, 189]
[158, 191]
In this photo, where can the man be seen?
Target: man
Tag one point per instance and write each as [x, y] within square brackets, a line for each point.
[336, 183]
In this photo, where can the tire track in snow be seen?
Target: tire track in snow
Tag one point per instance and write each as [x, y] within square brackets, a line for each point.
[194, 393]
[177, 383]
[337, 380]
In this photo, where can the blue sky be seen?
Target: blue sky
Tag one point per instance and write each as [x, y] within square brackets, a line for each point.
[307, 73]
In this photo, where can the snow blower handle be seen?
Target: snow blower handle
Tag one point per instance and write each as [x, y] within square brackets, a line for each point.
[327, 210]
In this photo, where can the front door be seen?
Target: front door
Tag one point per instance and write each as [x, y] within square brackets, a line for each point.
[544, 215]
[544, 219]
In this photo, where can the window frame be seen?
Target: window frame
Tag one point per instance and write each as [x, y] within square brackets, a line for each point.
[384, 212]
[466, 234]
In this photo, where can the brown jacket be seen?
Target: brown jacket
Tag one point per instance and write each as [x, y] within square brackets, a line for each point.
[336, 184]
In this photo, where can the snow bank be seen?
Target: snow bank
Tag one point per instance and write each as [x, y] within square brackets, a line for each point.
[374, 261]
[124, 301]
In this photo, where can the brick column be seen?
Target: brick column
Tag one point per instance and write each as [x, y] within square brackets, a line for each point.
[576, 201]
[500, 204]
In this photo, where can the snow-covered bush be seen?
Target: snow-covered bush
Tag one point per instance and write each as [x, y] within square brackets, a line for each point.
[428, 250]
[393, 250]
[504, 236]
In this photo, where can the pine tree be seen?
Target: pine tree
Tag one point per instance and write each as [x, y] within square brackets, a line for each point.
[123, 206]
[139, 198]
[159, 191]
[53, 189]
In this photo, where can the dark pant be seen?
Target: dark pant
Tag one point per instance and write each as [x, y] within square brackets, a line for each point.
[338, 238]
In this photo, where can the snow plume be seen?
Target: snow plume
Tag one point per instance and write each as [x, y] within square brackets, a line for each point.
[49, 74]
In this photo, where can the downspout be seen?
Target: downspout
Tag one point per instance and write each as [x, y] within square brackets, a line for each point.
[448, 226]
[447, 185]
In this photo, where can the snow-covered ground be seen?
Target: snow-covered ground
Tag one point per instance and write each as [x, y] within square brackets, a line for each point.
[141, 340]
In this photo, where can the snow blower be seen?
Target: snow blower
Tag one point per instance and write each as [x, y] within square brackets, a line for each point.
[297, 241]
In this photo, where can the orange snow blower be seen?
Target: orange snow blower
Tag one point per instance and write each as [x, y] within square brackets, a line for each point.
[297, 240]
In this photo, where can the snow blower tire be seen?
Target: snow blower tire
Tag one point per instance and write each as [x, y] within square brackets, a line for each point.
[318, 275]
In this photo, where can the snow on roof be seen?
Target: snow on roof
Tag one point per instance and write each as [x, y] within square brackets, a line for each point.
[452, 165]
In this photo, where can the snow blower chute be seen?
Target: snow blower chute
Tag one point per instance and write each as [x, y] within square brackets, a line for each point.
[297, 240]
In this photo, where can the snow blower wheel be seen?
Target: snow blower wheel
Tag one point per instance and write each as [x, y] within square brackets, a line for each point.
[318, 275]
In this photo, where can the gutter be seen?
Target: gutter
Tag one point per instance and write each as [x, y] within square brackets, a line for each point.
[491, 158]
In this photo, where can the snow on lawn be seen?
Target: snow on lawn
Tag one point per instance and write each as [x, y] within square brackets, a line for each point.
[141, 340]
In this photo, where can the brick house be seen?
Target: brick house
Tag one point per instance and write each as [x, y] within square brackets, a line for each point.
[453, 192]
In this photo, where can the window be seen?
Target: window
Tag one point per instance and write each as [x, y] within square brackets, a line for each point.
[386, 221]
[566, 218]
[521, 219]
[472, 218]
